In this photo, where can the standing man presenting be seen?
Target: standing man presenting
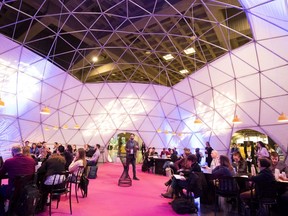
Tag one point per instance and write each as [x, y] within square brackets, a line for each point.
[132, 147]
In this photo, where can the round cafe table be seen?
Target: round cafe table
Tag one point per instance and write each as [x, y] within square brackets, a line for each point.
[124, 180]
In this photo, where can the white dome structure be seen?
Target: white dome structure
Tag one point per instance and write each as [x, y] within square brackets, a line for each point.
[250, 81]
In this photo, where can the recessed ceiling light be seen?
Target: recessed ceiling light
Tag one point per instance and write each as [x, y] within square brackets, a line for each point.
[183, 71]
[190, 50]
[168, 57]
[95, 59]
[147, 52]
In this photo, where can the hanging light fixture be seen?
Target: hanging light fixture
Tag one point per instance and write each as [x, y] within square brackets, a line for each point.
[159, 130]
[282, 118]
[46, 128]
[55, 128]
[197, 121]
[65, 127]
[236, 120]
[2, 103]
[45, 111]
[76, 126]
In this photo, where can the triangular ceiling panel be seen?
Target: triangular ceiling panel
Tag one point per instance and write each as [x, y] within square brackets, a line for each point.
[69, 109]
[98, 107]
[149, 93]
[127, 92]
[30, 112]
[6, 45]
[77, 138]
[226, 93]
[86, 94]
[247, 54]
[71, 82]
[198, 87]
[56, 136]
[218, 77]
[161, 91]
[276, 45]
[181, 97]
[174, 114]
[183, 87]
[47, 93]
[80, 110]
[242, 68]
[278, 76]
[56, 81]
[138, 108]
[221, 70]
[66, 100]
[252, 109]
[202, 76]
[248, 88]
[281, 101]
[169, 98]
[87, 104]
[74, 92]
[156, 121]
[146, 125]
[184, 113]
[273, 89]
[206, 98]
[52, 120]
[267, 110]
[157, 111]
[266, 29]
[95, 88]
[138, 89]
[117, 89]
[28, 127]
[167, 108]
[106, 92]
[158, 143]
[148, 137]
[267, 59]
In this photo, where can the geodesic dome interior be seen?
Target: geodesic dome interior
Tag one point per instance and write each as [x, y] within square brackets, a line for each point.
[239, 68]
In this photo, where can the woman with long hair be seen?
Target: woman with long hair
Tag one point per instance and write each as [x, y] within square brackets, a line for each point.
[224, 169]
[78, 161]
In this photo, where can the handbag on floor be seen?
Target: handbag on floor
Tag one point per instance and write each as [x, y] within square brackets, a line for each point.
[183, 205]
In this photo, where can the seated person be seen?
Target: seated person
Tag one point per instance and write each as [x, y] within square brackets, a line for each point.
[164, 153]
[79, 161]
[149, 158]
[224, 169]
[49, 170]
[92, 161]
[16, 166]
[239, 163]
[215, 159]
[276, 164]
[179, 184]
[154, 152]
[264, 177]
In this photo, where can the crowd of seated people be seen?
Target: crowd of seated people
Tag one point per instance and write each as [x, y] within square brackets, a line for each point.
[223, 166]
[24, 161]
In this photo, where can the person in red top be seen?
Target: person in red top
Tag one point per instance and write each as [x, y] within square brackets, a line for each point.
[18, 165]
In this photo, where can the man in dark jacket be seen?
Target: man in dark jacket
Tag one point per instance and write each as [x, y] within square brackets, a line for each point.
[18, 165]
[262, 181]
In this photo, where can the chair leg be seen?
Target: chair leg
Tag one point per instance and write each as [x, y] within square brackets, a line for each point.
[76, 192]
[50, 201]
[70, 204]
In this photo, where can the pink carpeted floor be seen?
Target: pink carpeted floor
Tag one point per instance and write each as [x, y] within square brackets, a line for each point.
[106, 198]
